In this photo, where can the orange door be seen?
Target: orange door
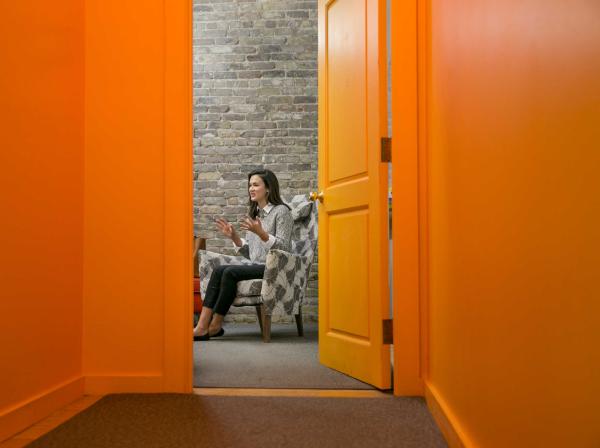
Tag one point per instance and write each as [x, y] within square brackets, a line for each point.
[353, 253]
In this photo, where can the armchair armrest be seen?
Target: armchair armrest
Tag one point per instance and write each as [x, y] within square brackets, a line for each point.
[284, 282]
[210, 260]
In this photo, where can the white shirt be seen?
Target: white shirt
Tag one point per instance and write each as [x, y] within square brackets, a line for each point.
[269, 243]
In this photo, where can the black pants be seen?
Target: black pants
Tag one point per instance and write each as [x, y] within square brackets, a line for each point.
[222, 286]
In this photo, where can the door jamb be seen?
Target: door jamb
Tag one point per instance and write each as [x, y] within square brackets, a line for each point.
[178, 197]
[409, 190]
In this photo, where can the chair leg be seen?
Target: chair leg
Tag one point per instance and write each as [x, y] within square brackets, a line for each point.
[299, 322]
[259, 315]
[266, 326]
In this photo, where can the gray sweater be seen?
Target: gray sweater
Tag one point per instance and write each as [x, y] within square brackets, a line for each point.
[277, 221]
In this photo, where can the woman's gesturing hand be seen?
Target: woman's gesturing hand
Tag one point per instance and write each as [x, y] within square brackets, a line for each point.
[255, 226]
[225, 228]
[228, 230]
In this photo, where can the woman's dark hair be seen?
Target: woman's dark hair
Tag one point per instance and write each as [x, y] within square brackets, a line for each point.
[272, 186]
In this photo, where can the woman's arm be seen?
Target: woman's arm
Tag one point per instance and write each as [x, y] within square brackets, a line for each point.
[229, 231]
[283, 230]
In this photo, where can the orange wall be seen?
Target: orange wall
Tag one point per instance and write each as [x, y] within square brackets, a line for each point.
[514, 150]
[124, 195]
[41, 189]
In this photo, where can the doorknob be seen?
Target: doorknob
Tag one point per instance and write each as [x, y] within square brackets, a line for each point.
[314, 196]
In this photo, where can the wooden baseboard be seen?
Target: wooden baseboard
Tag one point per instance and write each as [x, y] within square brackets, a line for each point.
[113, 384]
[49, 423]
[32, 410]
[454, 435]
[28, 412]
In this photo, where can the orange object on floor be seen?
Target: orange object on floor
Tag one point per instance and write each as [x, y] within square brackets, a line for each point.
[197, 296]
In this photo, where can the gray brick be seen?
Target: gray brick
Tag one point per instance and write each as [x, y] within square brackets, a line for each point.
[219, 109]
[269, 48]
[305, 100]
[273, 74]
[254, 133]
[260, 57]
[234, 117]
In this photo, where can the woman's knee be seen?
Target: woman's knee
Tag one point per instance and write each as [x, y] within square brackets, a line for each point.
[216, 275]
[229, 273]
[218, 271]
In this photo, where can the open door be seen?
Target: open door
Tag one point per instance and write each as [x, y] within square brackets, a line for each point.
[353, 238]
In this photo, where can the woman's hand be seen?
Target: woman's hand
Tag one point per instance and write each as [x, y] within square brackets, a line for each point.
[228, 230]
[255, 226]
[225, 228]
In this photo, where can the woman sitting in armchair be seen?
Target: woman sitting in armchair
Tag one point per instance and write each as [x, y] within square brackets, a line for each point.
[268, 226]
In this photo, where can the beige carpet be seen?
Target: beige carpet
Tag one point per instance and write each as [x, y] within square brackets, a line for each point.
[181, 421]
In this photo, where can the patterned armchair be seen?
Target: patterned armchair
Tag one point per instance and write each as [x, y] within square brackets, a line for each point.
[283, 286]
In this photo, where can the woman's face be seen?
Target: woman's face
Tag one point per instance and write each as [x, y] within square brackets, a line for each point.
[257, 189]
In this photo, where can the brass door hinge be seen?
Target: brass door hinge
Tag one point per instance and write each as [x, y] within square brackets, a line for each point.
[388, 331]
[386, 149]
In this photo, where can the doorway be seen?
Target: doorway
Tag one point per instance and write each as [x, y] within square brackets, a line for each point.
[211, 128]
[255, 90]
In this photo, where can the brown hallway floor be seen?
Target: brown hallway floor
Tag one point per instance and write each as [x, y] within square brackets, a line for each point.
[180, 420]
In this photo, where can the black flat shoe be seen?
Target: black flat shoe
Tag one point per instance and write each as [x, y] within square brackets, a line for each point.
[221, 332]
[204, 337]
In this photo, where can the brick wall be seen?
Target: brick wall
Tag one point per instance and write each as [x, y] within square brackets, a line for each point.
[255, 105]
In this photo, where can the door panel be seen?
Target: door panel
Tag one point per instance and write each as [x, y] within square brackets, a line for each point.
[353, 240]
[347, 89]
[349, 258]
